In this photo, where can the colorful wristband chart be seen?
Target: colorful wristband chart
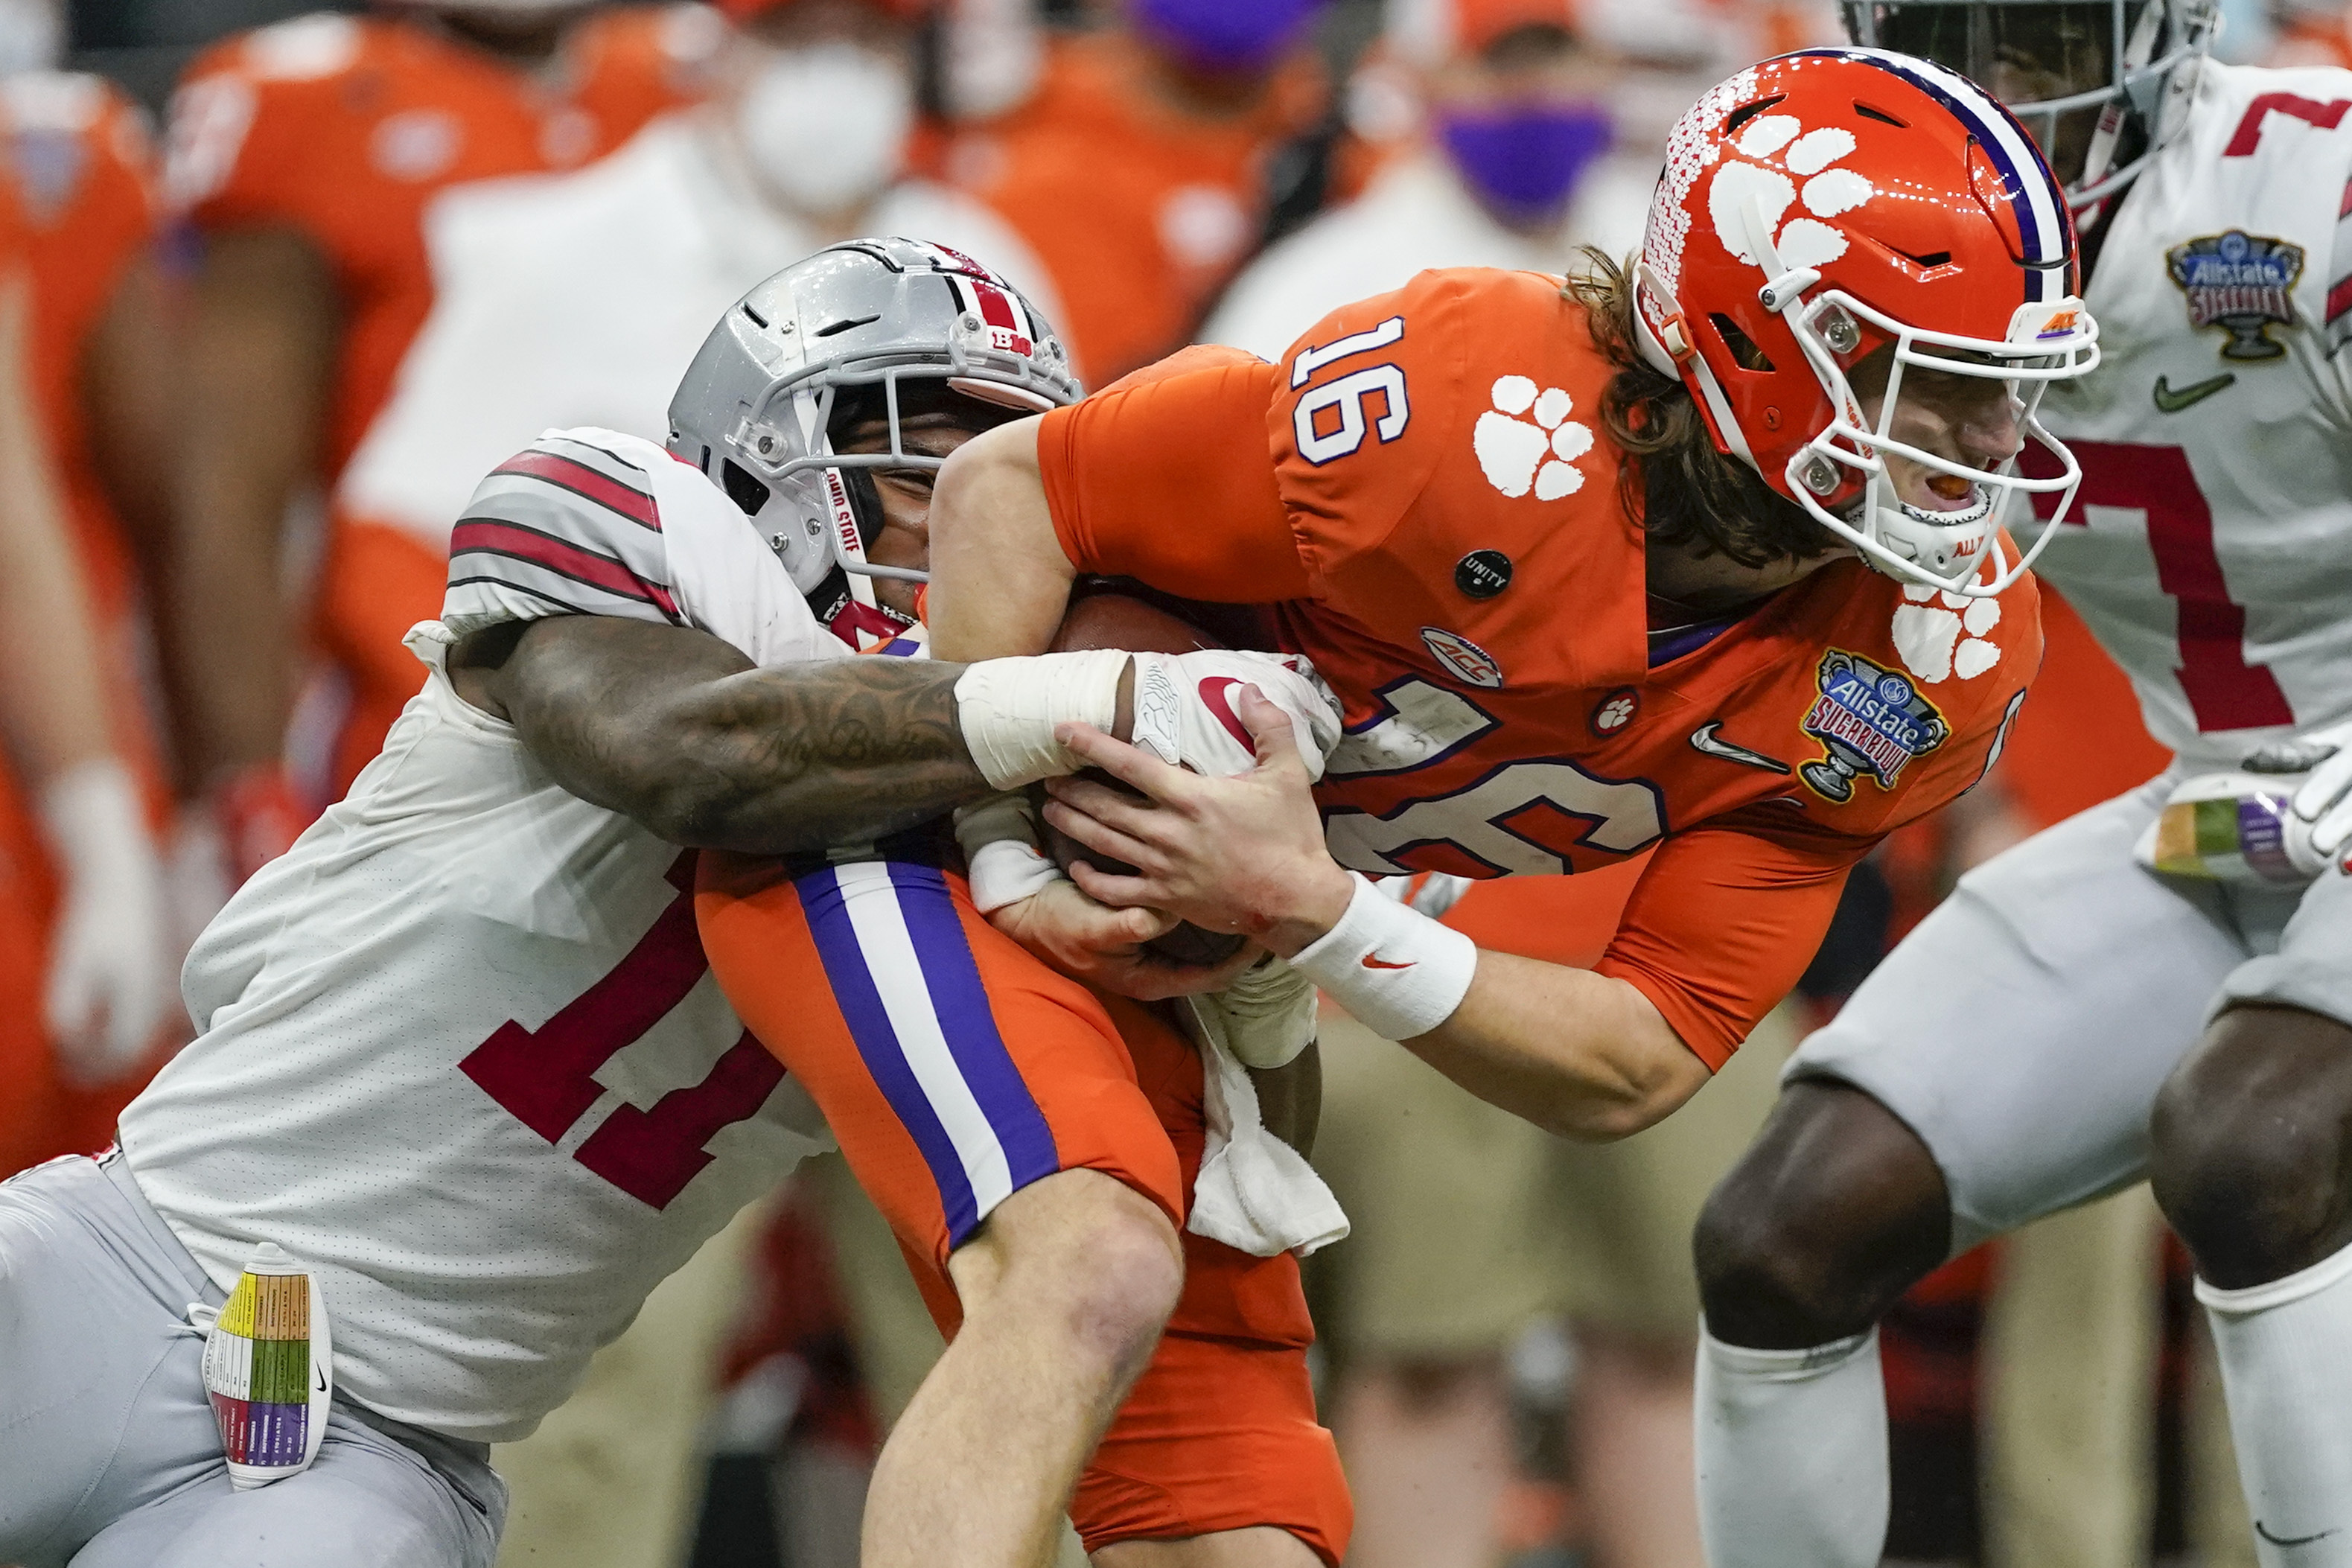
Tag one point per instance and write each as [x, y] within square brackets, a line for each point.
[267, 1365]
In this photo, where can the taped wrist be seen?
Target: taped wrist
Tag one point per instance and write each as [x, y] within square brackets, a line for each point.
[1003, 851]
[1269, 1014]
[1008, 709]
[1398, 972]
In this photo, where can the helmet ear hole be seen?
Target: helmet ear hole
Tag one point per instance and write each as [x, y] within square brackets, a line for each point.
[743, 487]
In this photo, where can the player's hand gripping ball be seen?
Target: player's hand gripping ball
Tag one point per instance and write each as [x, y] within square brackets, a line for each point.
[1122, 621]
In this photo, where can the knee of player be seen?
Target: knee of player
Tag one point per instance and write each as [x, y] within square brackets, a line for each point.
[2251, 1143]
[1108, 1264]
[1759, 1255]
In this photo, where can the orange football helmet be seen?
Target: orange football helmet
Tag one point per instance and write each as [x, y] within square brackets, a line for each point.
[1821, 206]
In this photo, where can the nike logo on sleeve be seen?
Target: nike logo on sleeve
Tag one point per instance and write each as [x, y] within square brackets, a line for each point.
[2170, 402]
[1375, 960]
[1705, 738]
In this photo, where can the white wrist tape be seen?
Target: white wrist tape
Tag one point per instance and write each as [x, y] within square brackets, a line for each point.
[1269, 1014]
[1002, 851]
[1008, 709]
[1398, 972]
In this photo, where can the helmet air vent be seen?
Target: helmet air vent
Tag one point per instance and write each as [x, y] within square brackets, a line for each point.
[1869, 112]
[758, 320]
[844, 324]
[1743, 348]
[1748, 112]
[743, 488]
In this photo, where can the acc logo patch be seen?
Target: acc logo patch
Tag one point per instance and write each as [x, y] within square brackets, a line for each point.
[2239, 282]
[1869, 720]
[1466, 658]
[1614, 711]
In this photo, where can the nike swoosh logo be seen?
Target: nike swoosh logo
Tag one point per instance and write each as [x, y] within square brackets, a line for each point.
[1704, 738]
[1373, 961]
[1215, 697]
[321, 1373]
[2263, 1530]
[2170, 402]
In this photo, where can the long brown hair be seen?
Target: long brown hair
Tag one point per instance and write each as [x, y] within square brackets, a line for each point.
[1684, 492]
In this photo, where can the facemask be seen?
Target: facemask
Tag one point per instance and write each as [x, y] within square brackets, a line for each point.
[1227, 35]
[824, 127]
[1525, 161]
[32, 36]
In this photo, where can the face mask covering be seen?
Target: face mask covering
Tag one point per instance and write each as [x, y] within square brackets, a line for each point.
[1227, 35]
[1525, 162]
[824, 126]
[32, 37]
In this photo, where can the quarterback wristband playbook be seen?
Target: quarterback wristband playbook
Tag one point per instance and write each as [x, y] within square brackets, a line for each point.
[1009, 708]
[1396, 971]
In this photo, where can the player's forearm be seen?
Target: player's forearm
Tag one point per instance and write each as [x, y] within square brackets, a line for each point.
[51, 705]
[673, 729]
[1000, 581]
[1581, 1055]
[261, 350]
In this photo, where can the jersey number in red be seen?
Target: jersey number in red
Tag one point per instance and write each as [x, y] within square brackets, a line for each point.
[546, 1076]
[2224, 691]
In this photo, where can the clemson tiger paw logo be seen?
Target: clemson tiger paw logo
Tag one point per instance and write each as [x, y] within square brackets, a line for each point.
[1941, 635]
[1527, 441]
[1786, 153]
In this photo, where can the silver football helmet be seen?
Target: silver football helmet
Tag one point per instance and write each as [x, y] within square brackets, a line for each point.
[755, 410]
[2101, 84]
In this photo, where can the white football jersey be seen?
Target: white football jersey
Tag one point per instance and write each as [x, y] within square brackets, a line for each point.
[2210, 546]
[460, 1048]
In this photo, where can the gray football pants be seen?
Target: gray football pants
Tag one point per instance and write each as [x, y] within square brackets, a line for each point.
[108, 1456]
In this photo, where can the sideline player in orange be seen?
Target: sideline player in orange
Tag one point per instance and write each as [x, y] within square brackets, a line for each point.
[305, 155]
[1462, 496]
[1138, 171]
[82, 225]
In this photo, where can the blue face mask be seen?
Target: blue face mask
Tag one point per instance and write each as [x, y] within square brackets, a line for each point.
[1525, 161]
[1227, 35]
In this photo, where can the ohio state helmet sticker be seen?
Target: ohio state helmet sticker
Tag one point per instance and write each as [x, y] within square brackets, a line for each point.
[1871, 720]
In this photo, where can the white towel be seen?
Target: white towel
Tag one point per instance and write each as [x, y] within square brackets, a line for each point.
[1254, 1193]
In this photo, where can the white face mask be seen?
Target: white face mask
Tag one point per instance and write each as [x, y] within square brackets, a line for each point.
[824, 127]
[32, 36]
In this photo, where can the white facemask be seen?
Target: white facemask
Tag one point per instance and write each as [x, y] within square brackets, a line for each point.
[32, 36]
[824, 127]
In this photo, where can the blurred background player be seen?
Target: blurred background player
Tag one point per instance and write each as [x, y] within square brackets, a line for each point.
[304, 156]
[1139, 168]
[580, 298]
[90, 388]
[1511, 168]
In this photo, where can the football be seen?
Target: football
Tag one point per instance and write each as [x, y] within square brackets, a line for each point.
[1123, 621]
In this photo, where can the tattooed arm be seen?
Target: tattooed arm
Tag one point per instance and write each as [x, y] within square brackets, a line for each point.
[677, 730]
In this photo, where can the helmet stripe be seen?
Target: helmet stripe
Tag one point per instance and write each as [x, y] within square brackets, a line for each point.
[2041, 226]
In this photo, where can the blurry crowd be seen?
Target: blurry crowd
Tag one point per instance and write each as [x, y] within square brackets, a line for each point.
[250, 368]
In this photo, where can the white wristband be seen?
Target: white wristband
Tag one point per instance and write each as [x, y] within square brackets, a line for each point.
[1398, 972]
[1008, 709]
[1001, 850]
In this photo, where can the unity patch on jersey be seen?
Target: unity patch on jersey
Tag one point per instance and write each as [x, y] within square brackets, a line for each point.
[2243, 283]
[1870, 721]
[266, 1370]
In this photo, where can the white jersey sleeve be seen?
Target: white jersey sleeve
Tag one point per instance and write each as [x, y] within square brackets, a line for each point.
[595, 523]
[2209, 547]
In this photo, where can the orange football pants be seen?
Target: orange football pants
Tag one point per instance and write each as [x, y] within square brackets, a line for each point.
[955, 1068]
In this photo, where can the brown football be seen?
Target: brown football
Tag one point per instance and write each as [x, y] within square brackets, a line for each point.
[1123, 621]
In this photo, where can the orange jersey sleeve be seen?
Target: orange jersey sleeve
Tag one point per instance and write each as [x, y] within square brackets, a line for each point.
[1721, 924]
[1166, 477]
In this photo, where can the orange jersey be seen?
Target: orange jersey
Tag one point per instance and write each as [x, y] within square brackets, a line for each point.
[1425, 485]
[1139, 211]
